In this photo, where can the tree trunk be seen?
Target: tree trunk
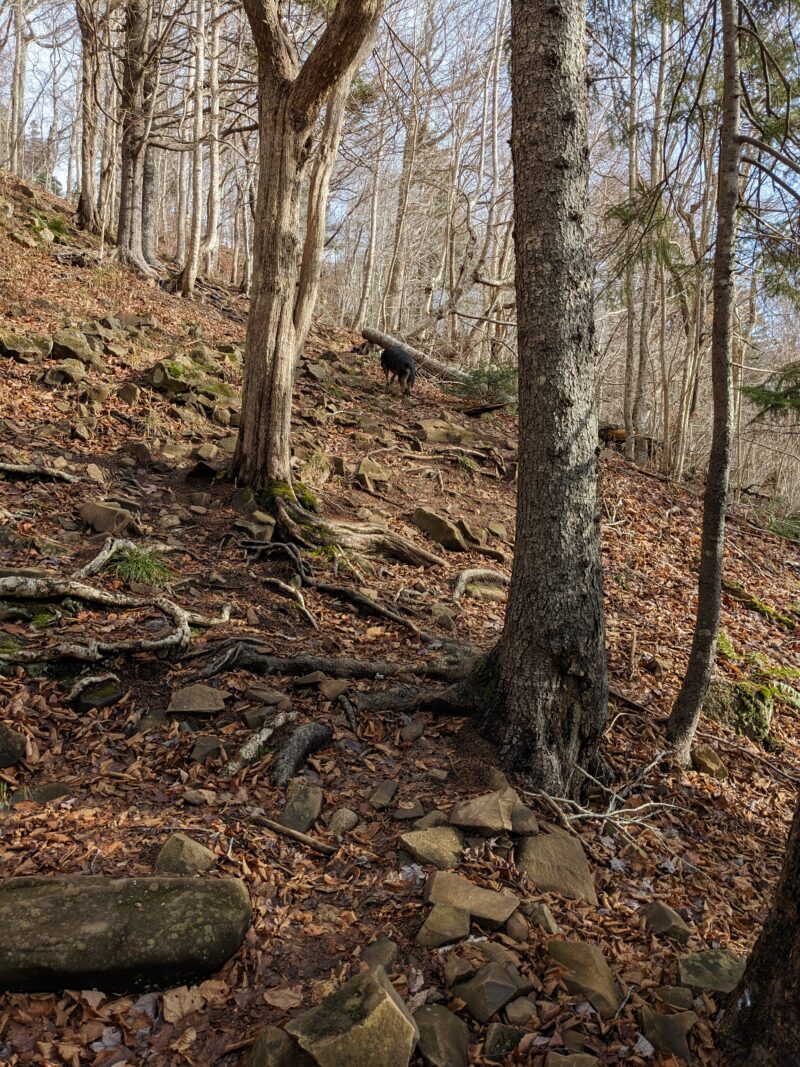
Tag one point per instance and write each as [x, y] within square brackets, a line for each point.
[630, 249]
[686, 710]
[192, 266]
[135, 125]
[543, 690]
[150, 206]
[761, 1023]
[210, 247]
[87, 216]
[263, 453]
[17, 119]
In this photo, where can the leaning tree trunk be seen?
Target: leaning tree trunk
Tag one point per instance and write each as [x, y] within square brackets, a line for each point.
[761, 1023]
[543, 689]
[263, 453]
[686, 710]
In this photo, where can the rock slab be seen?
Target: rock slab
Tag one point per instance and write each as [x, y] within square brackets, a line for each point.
[590, 976]
[714, 970]
[117, 934]
[489, 907]
[443, 1037]
[362, 1024]
[556, 863]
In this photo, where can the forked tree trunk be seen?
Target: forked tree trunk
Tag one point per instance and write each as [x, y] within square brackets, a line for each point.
[543, 689]
[263, 453]
[761, 1023]
[686, 710]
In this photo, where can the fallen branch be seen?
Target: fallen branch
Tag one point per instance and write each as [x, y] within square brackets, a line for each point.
[447, 701]
[478, 574]
[278, 828]
[291, 756]
[422, 359]
[256, 746]
[30, 470]
[292, 594]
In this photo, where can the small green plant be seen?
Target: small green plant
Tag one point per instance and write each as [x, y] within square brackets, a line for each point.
[141, 565]
[469, 463]
[725, 647]
[54, 223]
[493, 383]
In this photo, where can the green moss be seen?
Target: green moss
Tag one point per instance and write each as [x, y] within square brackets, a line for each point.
[306, 497]
[175, 370]
[725, 647]
[216, 389]
[43, 618]
[9, 644]
[758, 605]
[754, 710]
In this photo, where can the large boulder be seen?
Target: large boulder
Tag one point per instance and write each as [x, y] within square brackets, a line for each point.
[117, 934]
[21, 349]
[106, 518]
[362, 1024]
[556, 863]
[71, 344]
[745, 706]
[440, 432]
[714, 970]
[275, 1048]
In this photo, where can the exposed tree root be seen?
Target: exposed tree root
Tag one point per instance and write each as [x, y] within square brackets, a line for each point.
[478, 574]
[30, 470]
[291, 756]
[256, 746]
[293, 594]
[243, 655]
[91, 650]
[438, 701]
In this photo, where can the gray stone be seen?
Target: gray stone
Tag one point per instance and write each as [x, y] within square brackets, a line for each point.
[517, 928]
[487, 594]
[303, 805]
[443, 923]
[714, 970]
[443, 1037]
[523, 820]
[556, 863]
[372, 475]
[489, 814]
[440, 846]
[439, 529]
[590, 976]
[383, 796]
[206, 747]
[489, 907]
[71, 344]
[489, 990]
[433, 818]
[439, 432]
[362, 1024]
[664, 921]
[332, 688]
[408, 810]
[675, 996]
[21, 349]
[747, 707]
[117, 934]
[342, 821]
[542, 916]
[275, 1048]
[197, 700]
[106, 518]
[268, 697]
[456, 970]
[521, 1011]
[181, 855]
[12, 746]
[573, 1059]
[667, 1033]
[100, 695]
[46, 793]
[412, 732]
[500, 1040]
[68, 370]
[381, 953]
[129, 393]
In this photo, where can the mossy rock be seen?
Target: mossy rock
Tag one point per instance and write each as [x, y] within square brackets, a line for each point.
[747, 707]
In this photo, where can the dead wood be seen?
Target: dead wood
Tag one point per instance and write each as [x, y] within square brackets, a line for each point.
[30, 470]
[291, 756]
[305, 839]
[477, 574]
[422, 359]
[255, 747]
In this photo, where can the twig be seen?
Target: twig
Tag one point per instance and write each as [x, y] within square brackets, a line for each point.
[312, 842]
[293, 594]
[30, 470]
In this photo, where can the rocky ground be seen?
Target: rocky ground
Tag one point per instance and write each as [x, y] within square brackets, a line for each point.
[254, 855]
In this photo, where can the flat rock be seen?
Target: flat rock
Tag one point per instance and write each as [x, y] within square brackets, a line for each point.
[556, 863]
[521, 1011]
[590, 976]
[197, 700]
[443, 1037]
[331, 688]
[500, 1040]
[206, 747]
[667, 1033]
[676, 996]
[439, 529]
[412, 732]
[440, 432]
[303, 805]
[523, 820]
[542, 917]
[489, 907]
[46, 793]
[381, 953]
[488, 814]
[106, 518]
[707, 760]
[664, 921]
[443, 923]
[362, 1024]
[181, 855]
[12, 746]
[408, 811]
[573, 1059]
[440, 846]
[275, 1048]
[487, 991]
[383, 795]
[714, 970]
[117, 934]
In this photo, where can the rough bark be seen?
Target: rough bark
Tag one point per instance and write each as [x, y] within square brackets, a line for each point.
[87, 215]
[192, 265]
[543, 690]
[685, 713]
[290, 100]
[135, 128]
[761, 1023]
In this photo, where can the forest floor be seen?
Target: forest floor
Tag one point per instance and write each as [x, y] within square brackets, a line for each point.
[713, 851]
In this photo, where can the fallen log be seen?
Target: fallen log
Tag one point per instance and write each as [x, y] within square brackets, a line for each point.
[422, 359]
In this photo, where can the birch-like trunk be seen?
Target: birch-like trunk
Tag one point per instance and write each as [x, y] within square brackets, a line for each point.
[192, 265]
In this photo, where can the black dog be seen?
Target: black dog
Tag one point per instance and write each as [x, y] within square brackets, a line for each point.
[398, 364]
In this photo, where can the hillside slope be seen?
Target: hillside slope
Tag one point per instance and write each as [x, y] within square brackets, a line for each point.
[131, 775]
